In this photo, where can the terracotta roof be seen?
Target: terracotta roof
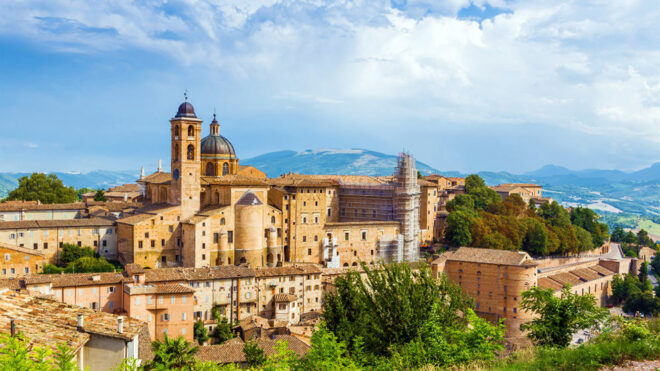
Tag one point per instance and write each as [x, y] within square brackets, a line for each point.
[574, 277]
[64, 223]
[131, 269]
[158, 177]
[300, 180]
[586, 274]
[47, 322]
[279, 298]
[289, 270]
[114, 205]
[76, 279]
[197, 274]
[491, 256]
[549, 283]
[11, 283]
[233, 352]
[131, 187]
[158, 289]
[19, 205]
[602, 270]
[234, 180]
[147, 213]
[566, 278]
[21, 250]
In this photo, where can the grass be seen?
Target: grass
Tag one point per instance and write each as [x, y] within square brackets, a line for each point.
[637, 340]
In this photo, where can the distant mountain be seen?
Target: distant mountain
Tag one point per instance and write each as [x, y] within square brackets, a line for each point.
[329, 161]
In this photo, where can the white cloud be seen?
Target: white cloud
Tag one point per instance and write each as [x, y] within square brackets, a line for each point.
[592, 65]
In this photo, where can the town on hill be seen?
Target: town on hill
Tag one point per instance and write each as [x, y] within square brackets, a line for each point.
[312, 271]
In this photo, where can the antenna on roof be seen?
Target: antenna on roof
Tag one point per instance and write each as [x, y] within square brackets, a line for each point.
[185, 94]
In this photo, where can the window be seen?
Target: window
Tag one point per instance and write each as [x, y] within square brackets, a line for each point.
[191, 131]
[105, 243]
[146, 235]
[345, 236]
[183, 299]
[183, 330]
[111, 289]
[140, 244]
[172, 299]
[111, 304]
[148, 317]
[27, 270]
[35, 246]
[329, 212]
[191, 152]
[309, 251]
[304, 239]
[165, 317]
[137, 301]
[153, 243]
[216, 237]
[183, 316]
[46, 245]
[171, 228]
[160, 299]
[203, 256]
[230, 236]
[6, 256]
[364, 235]
[225, 168]
[150, 300]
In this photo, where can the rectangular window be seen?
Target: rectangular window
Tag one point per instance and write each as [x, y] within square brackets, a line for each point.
[165, 317]
[45, 245]
[183, 299]
[364, 235]
[111, 304]
[137, 301]
[140, 244]
[148, 317]
[150, 300]
[160, 299]
[183, 316]
[153, 243]
[345, 236]
[230, 236]
[172, 299]
[27, 270]
[105, 243]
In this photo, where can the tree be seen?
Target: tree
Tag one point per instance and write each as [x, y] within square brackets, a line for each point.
[172, 353]
[585, 239]
[327, 352]
[483, 196]
[51, 269]
[461, 202]
[588, 219]
[201, 333]
[555, 214]
[89, 265]
[71, 253]
[535, 241]
[16, 353]
[100, 196]
[630, 237]
[389, 306]
[222, 331]
[457, 231]
[618, 234]
[643, 238]
[644, 272]
[558, 318]
[254, 355]
[82, 191]
[47, 189]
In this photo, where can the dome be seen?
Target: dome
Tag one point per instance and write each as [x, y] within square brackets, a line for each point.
[217, 145]
[186, 110]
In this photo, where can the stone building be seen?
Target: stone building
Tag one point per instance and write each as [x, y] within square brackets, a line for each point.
[19, 261]
[211, 211]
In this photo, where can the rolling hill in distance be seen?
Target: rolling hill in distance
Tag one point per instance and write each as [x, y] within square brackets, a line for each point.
[607, 191]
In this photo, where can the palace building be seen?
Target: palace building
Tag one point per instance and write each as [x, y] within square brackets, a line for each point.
[211, 211]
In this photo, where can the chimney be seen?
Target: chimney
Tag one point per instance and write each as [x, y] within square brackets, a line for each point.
[142, 172]
[13, 328]
[125, 196]
[120, 324]
[80, 322]
[160, 165]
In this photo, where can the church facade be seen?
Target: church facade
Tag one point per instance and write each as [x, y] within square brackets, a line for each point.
[211, 211]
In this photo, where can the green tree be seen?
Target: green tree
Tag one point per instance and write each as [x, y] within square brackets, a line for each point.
[457, 231]
[585, 239]
[100, 196]
[327, 352]
[222, 331]
[588, 219]
[643, 302]
[89, 265]
[201, 333]
[16, 353]
[171, 353]
[51, 269]
[644, 272]
[389, 305]
[618, 234]
[254, 355]
[558, 318]
[643, 238]
[630, 237]
[555, 214]
[82, 191]
[461, 202]
[535, 241]
[483, 196]
[71, 253]
[45, 188]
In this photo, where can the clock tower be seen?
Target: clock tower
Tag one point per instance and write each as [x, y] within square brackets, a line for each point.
[186, 163]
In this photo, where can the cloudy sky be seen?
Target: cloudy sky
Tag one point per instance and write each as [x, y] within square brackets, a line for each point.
[462, 85]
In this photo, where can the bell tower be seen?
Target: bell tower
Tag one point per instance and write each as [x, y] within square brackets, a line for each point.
[186, 161]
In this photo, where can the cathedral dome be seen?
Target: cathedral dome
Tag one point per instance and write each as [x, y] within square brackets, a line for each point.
[186, 110]
[217, 145]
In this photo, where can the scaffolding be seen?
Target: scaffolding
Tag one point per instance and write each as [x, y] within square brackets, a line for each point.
[406, 206]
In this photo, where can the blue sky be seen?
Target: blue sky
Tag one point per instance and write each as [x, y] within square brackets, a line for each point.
[463, 85]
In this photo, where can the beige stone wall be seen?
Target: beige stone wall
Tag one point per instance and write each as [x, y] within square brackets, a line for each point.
[429, 207]
[359, 242]
[306, 216]
[307, 288]
[153, 242]
[16, 263]
[48, 241]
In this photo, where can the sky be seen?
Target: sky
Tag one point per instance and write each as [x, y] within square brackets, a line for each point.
[462, 85]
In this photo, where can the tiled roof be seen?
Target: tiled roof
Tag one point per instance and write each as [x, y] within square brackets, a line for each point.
[233, 352]
[21, 250]
[175, 288]
[64, 223]
[249, 199]
[491, 256]
[566, 278]
[158, 177]
[77, 279]
[47, 322]
[602, 270]
[300, 180]
[366, 222]
[19, 205]
[289, 270]
[11, 283]
[197, 274]
[132, 187]
[574, 277]
[279, 298]
[146, 213]
[549, 283]
[234, 180]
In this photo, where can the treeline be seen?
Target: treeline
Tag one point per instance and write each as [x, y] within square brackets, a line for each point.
[49, 189]
[480, 218]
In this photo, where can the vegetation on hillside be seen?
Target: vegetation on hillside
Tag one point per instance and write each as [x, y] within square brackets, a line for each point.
[635, 293]
[480, 218]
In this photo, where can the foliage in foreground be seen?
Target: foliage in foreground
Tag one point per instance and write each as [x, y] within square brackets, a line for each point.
[48, 189]
[16, 354]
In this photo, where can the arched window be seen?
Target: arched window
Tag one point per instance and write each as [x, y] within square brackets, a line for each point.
[225, 168]
[242, 261]
[210, 169]
[176, 132]
[191, 131]
[176, 152]
[191, 152]
[272, 220]
[222, 221]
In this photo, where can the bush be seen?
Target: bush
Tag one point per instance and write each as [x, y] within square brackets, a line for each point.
[70, 253]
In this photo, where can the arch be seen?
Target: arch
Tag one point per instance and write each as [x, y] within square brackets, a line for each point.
[210, 169]
[225, 168]
[191, 131]
[162, 197]
[216, 200]
[242, 261]
[176, 152]
[177, 132]
[191, 152]
[345, 264]
[354, 264]
[228, 260]
[222, 221]
[272, 219]
[269, 259]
